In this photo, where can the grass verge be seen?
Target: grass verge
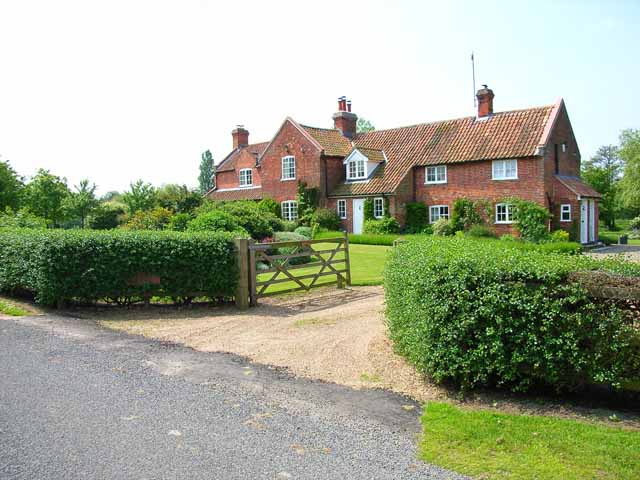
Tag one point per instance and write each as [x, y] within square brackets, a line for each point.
[9, 309]
[490, 445]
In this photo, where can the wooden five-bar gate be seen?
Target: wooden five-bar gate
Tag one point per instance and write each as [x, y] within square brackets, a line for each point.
[302, 265]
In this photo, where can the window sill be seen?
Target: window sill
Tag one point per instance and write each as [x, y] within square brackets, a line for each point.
[504, 223]
[566, 221]
[503, 179]
[246, 186]
[287, 179]
[436, 183]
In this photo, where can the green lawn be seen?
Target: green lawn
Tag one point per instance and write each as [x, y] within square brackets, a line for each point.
[9, 309]
[611, 236]
[492, 445]
[367, 263]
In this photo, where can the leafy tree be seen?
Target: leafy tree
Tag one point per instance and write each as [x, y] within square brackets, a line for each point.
[106, 216]
[178, 198]
[45, 196]
[207, 172]
[112, 196]
[141, 196]
[155, 219]
[603, 173]
[10, 187]
[630, 183]
[82, 202]
[363, 126]
[21, 219]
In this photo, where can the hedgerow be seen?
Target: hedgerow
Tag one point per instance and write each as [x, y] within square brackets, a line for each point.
[477, 312]
[93, 265]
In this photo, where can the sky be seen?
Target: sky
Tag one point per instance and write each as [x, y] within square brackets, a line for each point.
[115, 91]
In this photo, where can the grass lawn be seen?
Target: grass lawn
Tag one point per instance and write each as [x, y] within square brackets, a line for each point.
[367, 263]
[610, 236]
[490, 445]
[9, 309]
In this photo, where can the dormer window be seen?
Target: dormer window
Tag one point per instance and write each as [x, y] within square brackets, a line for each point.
[357, 169]
[246, 177]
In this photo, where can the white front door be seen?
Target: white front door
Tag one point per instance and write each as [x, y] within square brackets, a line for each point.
[584, 221]
[592, 221]
[358, 214]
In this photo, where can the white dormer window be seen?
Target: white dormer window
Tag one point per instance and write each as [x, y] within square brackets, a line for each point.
[437, 174]
[288, 167]
[357, 169]
[505, 169]
[246, 177]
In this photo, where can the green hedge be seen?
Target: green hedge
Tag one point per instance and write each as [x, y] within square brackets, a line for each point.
[93, 265]
[480, 313]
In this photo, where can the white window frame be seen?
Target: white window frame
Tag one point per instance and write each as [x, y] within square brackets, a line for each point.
[437, 170]
[356, 167]
[288, 172]
[378, 203]
[245, 183]
[289, 209]
[499, 169]
[341, 207]
[434, 218]
[508, 213]
[565, 208]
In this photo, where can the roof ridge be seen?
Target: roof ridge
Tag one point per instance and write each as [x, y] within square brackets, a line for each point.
[320, 128]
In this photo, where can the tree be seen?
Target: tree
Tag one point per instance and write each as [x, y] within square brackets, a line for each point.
[106, 216]
[178, 198]
[363, 126]
[630, 183]
[603, 173]
[45, 196]
[141, 196]
[82, 202]
[207, 172]
[10, 187]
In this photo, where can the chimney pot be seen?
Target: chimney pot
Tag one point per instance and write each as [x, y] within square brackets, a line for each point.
[348, 105]
[240, 137]
[485, 101]
[344, 120]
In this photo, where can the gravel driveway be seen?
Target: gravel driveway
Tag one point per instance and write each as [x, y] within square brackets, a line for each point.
[628, 252]
[80, 401]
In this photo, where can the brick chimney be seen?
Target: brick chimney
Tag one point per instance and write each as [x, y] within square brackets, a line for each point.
[344, 120]
[240, 137]
[485, 101]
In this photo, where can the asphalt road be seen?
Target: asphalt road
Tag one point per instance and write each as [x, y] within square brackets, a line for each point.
[79, 401]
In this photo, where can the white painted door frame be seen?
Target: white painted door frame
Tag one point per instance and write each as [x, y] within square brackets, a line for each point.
[357, 214]
[584, 220]
[592, 221]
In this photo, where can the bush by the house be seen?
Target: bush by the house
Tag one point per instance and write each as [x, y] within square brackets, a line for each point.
[416, 219]
[304, 232]
[216, 221]
[559, 236]
[115, 265]
[292, 237]
[368, 209]
[289, 226]
[481, 231]
[476, 313]
[442, 227]
[531, 220]
[155, 219]
[381, 226]
[179, 222]
[467, 213]
[257, 222]
[271, 206]
[326, 218]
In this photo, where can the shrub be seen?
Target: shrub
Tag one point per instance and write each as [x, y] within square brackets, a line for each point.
[271, 206]
[417, 219]
[156, 219]
[326, 218]
[106, 216]
[477, 313]
[481, 231]
[217, 221]
[21, 219]
[368, 209]
[257, 222]
[381, 226]
[292, 237]
[92, 265]
[634, 224]
[289, 226]
[442, 227]
[304, 232]
[531, 220]
[179, 222]
[559, 236]
[464, 215]
[508, 238]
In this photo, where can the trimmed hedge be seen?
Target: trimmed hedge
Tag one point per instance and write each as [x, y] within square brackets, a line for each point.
[93, 265]
[479, 313]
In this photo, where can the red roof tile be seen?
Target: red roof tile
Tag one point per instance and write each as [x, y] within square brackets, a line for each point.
[229, 162]
[332, 141]
[577, 186]
[236, 194]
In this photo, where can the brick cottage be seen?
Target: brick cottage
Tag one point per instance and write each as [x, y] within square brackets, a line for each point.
[531, 154]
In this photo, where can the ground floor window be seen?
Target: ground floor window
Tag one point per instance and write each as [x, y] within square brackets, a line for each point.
[342, 209]
[436, 212]
[378, 207]
[289, 210]
[504, 213]
[565, 212]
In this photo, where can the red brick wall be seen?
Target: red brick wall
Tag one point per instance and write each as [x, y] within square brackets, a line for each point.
[569, 161]
[562, 195]
[231, 179]
[347, 224]
[335, 172]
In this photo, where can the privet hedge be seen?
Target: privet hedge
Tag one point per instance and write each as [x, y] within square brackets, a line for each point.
[93, 265]
[478, 313]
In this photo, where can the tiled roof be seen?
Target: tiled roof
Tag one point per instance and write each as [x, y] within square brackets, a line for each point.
[577, 186]
[229, 162]
[372, 154]
[236, 194]
[331, 140]
[502, 135]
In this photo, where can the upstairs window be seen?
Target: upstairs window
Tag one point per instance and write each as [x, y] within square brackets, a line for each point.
[504, 213]
[436, 174]
[436, 212]
[246, 177]
[356, 169]
[288, 167]
[342, 209]
[289, 210]
[565, 212]
[505, 169]
[378, 207]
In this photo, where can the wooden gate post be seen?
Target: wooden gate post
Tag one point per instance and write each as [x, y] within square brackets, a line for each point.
[242, 258]
[346, 257]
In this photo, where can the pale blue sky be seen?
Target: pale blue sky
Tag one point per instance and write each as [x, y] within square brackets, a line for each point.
[120, 90]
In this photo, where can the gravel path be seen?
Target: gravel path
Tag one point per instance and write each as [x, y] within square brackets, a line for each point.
[628, 252]
[79, 401]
